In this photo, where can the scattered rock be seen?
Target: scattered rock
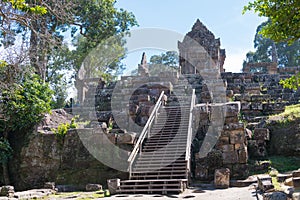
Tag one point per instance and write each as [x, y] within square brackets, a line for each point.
[113, 185]
[275, 196]
[93, 187]
[49, 185]
[264, 185]
[296, 196]
[296, 182]
[282, 177]
[296, 173]
[289, 182]
[7, 191]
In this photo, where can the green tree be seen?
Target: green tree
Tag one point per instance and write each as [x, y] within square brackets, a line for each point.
[90, 22]
[266, 50]
[23, 102]
[284, 18]
[169, 58]
[168, 61]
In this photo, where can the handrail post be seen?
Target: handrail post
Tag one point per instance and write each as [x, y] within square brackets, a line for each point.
[130, 170]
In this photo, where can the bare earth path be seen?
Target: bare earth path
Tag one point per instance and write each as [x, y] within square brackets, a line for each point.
[244, 193]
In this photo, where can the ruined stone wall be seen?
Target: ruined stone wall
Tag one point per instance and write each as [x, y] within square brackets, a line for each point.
[230, 150]
[260, 94]
[69, 164]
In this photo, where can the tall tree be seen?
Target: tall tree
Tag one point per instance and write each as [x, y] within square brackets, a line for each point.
[284, 18]
[168, 61]
[266, 50]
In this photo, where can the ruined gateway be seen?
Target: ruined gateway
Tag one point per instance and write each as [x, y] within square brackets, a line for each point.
[246, 96]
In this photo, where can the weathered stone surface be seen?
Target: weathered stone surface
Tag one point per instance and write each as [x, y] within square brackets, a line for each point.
[264, 185]
[49, 185]
[237, 137]
[289, 182]
[34, 194]
[296, 182]
[7, 191]
[93, 187]
[296, 196]
[261, 134]
[230, 157]
[275, 196]
[126, 138]
[222, 178]
[296, 173]
[282, 177]
[113, 185]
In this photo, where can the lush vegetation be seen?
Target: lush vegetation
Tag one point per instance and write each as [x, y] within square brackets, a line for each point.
[282, 27]
[62, 129]
[285, 163]
[266, 50]
[290, 114]
[284, 18]
[36, 58]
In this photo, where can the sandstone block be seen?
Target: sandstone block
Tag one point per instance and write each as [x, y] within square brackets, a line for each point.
[296, 196]
[7, 191]
[222, 178]
[237, 136]
[296, 173]
[243, 155]
[261, 134]
[113, 185]
[288, 182]
[227, 147]
[230, 157]
[93, 187]
[296, 182]
[49, 185]
[126, 138]
[275, 196]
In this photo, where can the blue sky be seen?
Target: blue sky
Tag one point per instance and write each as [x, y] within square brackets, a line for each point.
[223, 17]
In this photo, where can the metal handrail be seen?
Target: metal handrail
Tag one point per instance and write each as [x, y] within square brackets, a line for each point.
[145, 132]
[190, 130]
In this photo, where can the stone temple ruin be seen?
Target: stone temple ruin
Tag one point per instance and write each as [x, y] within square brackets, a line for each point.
[180, 125]
[249, 96]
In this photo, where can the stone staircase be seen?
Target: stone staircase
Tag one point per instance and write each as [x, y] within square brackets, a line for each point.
[162, 165]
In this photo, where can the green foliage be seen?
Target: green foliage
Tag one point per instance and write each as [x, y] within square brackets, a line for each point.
[63, 128]
[170, 58]
[288, 54]
[3, 63]
[291, 114]
[5, 150]
[284, 17]
[23, 6]
[167, 61]
[285, 163]
[24, 104]
[292, 82]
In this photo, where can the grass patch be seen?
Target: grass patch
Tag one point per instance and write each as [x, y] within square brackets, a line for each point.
[285, 163]
[290, 114]
[274, 164]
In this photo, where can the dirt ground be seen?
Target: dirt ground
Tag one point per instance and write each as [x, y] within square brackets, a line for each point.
[244, 193]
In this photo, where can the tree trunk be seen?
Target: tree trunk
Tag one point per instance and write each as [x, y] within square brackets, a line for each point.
[5, 174]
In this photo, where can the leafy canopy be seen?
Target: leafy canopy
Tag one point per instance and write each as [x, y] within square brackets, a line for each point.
[24, 104]
[284, 17]
[23, 6]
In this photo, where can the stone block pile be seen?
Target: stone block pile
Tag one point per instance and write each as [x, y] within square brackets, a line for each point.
[230, 150]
